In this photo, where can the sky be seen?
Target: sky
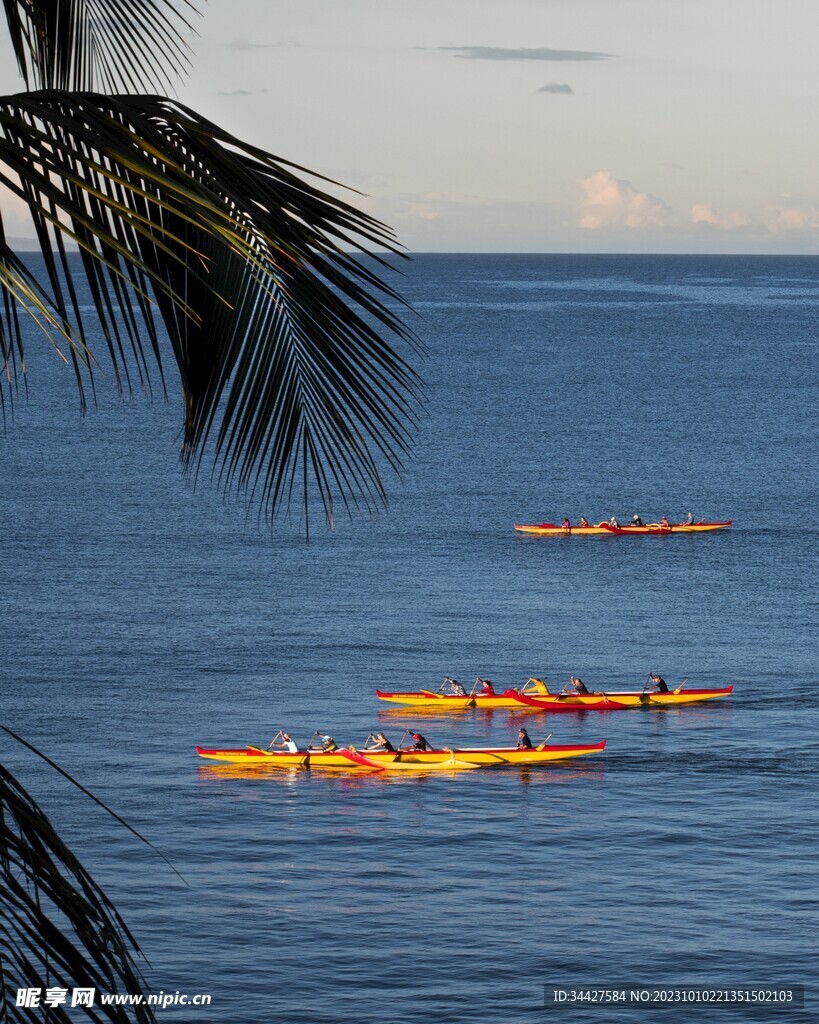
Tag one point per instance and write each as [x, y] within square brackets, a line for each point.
[531, 125]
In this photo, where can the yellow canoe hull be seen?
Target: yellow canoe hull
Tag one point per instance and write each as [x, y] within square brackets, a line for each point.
[487, 756]
[429, 701]
[553, 530]
[445, 760]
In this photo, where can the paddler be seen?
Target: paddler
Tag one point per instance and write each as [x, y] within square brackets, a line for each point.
[613, 522]
[289, 744]
[567, 526]
[660, 685]
[636, 521]
[578, 686]
[284, 741]
[419, 743]
[380, 742]
[524, 743]
[457, 688]
[690, 520]
[665, 523]
[584, 521]
[328, 744]
[487, 690]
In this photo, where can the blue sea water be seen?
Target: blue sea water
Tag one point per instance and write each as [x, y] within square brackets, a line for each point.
[139, 618]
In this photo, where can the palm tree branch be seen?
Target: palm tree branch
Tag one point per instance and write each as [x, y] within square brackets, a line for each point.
[58, 926]
[278, 329]
[114, 45]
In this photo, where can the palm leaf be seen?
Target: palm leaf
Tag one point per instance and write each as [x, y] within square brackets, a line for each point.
[57, 926]
[110, 45]
[275, 325]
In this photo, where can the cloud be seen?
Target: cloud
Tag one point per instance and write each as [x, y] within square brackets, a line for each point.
[609, 202]
[522, 53]
[236, 92]
[792, 216]
[704, 213]
[245, 44]
[787, 216]
[558, 88]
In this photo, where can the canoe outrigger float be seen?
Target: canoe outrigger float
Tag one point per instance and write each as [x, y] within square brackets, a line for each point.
[447, 759]
[555, 530]
[534, 694]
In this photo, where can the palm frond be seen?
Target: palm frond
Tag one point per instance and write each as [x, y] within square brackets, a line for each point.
[109, 45]
[58, 929]
[275, 324]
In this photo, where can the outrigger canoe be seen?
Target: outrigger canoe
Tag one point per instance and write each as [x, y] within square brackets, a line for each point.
[402, 760]
[611, 700]
[622, 699]
[555, 530]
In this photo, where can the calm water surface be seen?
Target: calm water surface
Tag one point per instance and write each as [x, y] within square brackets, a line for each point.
[139, 618]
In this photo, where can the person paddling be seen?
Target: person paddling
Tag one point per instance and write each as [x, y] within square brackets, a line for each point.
[419, 743]
[456, 688]
[328, 744]
[584, 522]
[660, 685]
[284, 741]
[690, 520]
[524, 743]
[613, 522]
[636, 521]
[578, 686]
[380, 742]
[665, 523]
[487, 689]
[567, 526]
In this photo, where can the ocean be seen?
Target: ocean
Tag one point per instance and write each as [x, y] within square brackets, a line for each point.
[141, 616]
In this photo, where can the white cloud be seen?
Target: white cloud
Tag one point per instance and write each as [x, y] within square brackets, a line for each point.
[609, 202]
[793, 216]
[523, 53]
[246, 44]
[704, 213]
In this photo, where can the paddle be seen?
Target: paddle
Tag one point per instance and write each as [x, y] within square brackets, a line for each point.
[682, 684]
[542, 746]
[470, 700]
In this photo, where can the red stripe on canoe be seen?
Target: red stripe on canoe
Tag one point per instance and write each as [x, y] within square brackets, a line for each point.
[560, 706]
